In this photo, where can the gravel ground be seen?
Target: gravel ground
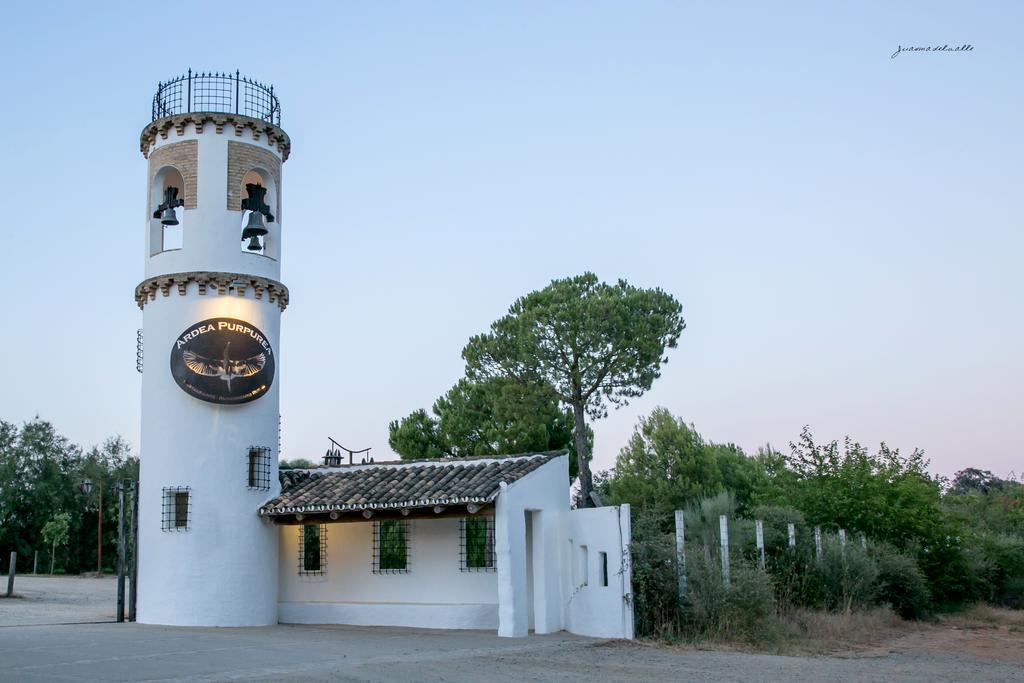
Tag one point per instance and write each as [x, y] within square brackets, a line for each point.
[133, 652]
[59, 600]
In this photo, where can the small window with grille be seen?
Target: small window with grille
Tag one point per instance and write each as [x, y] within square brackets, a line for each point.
[177, 508]
[257, 465]
[391, 546]
[313, 549]
[477, 544]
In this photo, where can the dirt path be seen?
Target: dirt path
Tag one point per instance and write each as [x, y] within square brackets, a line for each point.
[59, 600]
[985, 646]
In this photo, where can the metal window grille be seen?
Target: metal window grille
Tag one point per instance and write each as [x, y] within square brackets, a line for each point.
[476, 543]
[176, 508]
[313, 549]
[391, 546]
[257, 468]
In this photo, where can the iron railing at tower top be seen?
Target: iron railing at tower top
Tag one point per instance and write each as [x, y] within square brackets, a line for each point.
[216, 92]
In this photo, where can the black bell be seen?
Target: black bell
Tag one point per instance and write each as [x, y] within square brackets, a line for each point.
[165, 211]
[254, 229]
[168, 217]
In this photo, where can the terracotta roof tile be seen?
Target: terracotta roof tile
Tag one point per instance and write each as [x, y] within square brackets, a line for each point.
[402, 484]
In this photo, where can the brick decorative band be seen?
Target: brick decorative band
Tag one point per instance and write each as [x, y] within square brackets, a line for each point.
[275, 136]
[219, 283]
[184, 156]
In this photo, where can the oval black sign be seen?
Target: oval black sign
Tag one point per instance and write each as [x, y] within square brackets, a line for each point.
[223, 360]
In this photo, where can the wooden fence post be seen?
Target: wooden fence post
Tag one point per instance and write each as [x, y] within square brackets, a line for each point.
[792, 534]
[723, 530]
[759, 525]
[12, 569]
[817, 543]
[681, 554]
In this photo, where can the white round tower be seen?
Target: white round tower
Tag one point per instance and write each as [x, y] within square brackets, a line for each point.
[212, 304]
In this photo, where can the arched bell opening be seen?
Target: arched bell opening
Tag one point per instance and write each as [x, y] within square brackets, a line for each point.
[260, 222]
[167, 213]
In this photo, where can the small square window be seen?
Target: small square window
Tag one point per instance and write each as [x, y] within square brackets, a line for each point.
[257, 468]
[177, 508]
[391, 546]
[477, 544]
[312, 549]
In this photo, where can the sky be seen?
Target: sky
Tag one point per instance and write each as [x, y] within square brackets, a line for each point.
[842, 227]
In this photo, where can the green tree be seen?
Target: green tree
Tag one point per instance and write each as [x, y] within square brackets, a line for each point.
[55, 533]
[40, 474]
[592, 344]
[885, 495]
[667, 466]
[491, 417]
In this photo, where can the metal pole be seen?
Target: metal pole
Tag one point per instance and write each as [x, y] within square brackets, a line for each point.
[759, 525]
[35, 562]
[681, 554]
[120, 552]
[188, 102]
[99, 533]
[11, 570]
[237, 73]
[723, 530]
[133, 595]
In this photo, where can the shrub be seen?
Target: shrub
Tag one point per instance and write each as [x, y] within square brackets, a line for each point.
[743, 610]
[901, 583]
[845, 578]
[655, 586]
[1005, 556]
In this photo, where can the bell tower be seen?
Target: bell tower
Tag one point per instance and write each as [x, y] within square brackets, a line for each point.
[212, 302]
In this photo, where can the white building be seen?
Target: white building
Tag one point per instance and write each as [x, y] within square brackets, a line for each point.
[480, 543]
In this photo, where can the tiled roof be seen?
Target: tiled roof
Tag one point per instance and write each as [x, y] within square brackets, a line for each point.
[402, 484]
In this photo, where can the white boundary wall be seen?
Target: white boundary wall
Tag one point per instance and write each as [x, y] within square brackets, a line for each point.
[594, 609]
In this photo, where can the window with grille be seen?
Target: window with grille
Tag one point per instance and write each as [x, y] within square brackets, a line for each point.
[391, 546]
[312, 549]
[477, 544]
[177, 508]
[257, 464]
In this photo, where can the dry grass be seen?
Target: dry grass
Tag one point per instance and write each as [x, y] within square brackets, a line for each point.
[985, 616]
[804, 631]
[816, 632]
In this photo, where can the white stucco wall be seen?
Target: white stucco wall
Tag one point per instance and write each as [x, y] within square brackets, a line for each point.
[435, 593]
[529, 581]
[223, 570]
[593, 609]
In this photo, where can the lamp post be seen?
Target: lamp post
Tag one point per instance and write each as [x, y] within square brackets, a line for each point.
[86, 488]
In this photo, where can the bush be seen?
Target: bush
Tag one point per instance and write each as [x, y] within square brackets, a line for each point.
[845, 578]
[655, 586]
[1005, 556]
[742, 611]
[901, 583]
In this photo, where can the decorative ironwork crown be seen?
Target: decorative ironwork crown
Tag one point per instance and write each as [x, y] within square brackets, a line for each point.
[216, 92]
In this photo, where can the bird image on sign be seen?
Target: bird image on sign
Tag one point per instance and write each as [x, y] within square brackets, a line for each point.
[225, 367]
